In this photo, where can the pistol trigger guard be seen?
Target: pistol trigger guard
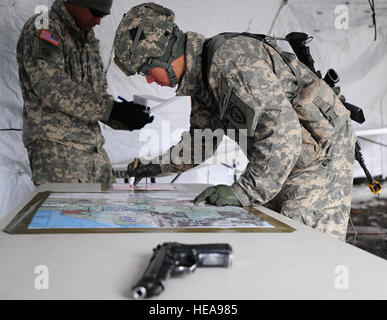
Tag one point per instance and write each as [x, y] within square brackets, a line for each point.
[181, 270]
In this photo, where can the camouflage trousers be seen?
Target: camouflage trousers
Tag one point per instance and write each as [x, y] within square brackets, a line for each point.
[320, 194]
[53, 162]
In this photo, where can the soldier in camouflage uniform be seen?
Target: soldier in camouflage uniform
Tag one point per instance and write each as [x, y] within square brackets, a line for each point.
[300, 141]
[64, 90]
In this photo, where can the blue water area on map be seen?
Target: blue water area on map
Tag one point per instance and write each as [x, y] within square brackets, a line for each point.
[267, 225]
[50, 219]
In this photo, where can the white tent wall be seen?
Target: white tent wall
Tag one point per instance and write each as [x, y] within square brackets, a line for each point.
[360, 62]
[15, 174]
[348, 46]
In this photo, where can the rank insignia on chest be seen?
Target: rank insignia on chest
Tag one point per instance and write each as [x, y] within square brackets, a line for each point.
[50, 37]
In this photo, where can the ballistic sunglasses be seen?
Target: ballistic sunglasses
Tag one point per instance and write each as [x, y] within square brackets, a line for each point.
[97, 13]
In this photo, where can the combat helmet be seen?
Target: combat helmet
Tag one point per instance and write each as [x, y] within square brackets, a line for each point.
[103, 6]
[147, 37]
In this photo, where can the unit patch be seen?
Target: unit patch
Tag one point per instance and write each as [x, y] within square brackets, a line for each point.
[241, 115]
[237, 115]
[50, 37]
[45, 51]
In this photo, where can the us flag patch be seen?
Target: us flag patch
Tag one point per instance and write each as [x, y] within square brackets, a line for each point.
[50, 37]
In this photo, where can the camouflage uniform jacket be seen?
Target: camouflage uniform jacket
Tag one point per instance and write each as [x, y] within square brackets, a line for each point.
[63, 83]
[251, 75]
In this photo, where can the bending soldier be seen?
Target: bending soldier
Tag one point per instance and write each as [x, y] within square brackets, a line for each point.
[300, 141]
[64, 90]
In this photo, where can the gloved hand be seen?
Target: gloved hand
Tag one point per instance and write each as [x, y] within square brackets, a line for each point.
[140, 170]
[220, 195]
[133, 115]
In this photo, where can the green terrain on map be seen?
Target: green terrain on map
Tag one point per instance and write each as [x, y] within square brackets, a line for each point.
[138, 210]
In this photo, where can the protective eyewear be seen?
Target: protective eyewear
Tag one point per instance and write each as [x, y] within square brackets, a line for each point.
[97, 13]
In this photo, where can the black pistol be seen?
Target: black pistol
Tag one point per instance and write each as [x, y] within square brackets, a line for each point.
[173, 259]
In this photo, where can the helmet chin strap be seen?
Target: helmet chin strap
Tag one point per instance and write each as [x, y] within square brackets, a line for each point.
[174, 49]
[172, 77]
[167, 66]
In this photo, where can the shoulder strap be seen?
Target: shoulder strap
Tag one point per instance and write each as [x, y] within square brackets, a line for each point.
[287, 57]
[214, 43]
[209, 48]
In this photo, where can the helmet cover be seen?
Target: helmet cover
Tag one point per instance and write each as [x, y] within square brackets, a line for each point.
[143, 33]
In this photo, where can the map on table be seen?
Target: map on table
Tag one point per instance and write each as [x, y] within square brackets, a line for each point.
[135, 212]
[144, 187]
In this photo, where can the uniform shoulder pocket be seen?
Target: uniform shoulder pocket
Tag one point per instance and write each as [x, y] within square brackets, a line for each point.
[46, 50]
[239, 113]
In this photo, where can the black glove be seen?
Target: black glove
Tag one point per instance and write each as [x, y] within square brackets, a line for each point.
[220, 195]
[139, 170]
[132, 115]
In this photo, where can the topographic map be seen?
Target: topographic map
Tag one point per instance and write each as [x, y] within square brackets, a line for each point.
[138, 210]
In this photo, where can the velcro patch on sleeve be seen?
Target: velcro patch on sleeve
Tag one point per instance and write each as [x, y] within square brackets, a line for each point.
[50, 37]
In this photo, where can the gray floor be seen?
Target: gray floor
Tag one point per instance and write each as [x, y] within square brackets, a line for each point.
[368, 229]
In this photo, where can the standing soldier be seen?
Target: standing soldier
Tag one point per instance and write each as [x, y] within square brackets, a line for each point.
[64, 90]
[300, 141]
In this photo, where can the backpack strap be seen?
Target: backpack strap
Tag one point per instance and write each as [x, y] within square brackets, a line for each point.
[209, 48]
[214, 43]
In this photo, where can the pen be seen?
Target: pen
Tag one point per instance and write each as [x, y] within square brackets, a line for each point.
[124, 100]
[136, 162]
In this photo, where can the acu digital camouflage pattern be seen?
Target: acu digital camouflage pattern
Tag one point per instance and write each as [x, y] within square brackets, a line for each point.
[64, 90]
[143, 33]
[289, 170]
[57, 163]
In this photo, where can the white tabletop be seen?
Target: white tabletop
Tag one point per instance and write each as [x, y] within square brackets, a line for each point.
[304, 264]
